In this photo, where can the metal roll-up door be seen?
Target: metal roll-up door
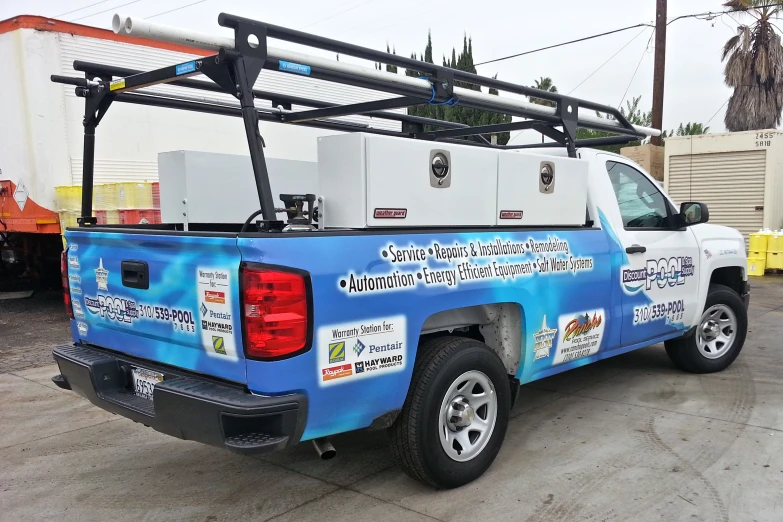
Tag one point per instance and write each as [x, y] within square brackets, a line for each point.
[730, 183]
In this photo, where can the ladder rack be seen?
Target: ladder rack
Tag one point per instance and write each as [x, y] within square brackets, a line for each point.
[236, 65]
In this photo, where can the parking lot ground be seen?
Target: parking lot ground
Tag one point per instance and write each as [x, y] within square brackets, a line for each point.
[629, 438]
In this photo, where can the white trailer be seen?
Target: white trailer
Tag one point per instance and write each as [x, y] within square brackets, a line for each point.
[42, 133]
[41, 140]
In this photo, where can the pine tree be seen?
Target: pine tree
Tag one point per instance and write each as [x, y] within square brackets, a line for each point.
[391, 68]
[463, 62]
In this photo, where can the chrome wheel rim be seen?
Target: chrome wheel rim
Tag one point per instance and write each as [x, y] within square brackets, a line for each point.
[468, 415]
[717, 331]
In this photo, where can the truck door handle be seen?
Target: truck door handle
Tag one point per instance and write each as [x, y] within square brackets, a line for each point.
[135, 274]
[636, 249]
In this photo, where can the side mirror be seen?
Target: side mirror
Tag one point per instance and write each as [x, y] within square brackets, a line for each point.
[694, 213]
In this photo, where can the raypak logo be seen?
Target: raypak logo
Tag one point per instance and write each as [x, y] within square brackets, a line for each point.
[211, 296]
[336, 372]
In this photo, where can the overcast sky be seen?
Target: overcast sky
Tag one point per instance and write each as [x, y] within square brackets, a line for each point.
[694, 81]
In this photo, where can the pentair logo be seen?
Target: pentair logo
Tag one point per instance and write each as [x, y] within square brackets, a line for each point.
[203, 309]
[358, 348]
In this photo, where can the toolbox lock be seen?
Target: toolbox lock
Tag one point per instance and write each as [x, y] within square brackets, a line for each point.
[440, 168]
[546, 182]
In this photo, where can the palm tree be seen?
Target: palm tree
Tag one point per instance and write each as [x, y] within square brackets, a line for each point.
[543, 84]
[754, 68]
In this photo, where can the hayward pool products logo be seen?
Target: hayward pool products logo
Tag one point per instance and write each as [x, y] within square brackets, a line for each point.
[358, 348]
[668, 272]
[543, 341]
[359, 366]
[102, 276]
[381, 363]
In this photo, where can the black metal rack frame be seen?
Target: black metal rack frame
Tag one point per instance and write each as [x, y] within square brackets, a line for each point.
[235, 71]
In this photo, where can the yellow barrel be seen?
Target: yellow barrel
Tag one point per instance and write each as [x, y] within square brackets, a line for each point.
[775, 243]
[758, 241]
[756, 266]
[774, 260]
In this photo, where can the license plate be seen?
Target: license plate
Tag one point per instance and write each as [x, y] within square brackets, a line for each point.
[144, 382]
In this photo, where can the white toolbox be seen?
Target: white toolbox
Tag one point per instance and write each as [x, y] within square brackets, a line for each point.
[377, 181]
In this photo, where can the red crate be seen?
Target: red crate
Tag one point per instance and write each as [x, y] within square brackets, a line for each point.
[156, 195]
[139, 216]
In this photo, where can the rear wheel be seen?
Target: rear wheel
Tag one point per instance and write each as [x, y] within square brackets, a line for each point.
[718, 338]
[455, 416]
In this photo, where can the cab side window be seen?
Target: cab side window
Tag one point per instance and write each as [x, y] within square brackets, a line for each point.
[641, 203]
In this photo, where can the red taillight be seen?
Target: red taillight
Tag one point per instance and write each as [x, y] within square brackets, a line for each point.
[66, 285]
[275, 312]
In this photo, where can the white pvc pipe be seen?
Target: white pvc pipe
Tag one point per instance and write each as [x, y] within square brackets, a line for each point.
[134, 26]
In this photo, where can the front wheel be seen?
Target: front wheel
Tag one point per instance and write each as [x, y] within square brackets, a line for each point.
[718, 338]
[455, 416]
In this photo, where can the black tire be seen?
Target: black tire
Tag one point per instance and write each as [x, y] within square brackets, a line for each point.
[684, 351]
[415, 437]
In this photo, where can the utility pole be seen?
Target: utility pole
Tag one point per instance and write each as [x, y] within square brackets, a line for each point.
[659, 68]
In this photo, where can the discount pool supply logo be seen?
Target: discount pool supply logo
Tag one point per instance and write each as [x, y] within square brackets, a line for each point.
[664, 272]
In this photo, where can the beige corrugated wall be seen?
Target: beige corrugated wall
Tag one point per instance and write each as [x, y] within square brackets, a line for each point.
[730, 183]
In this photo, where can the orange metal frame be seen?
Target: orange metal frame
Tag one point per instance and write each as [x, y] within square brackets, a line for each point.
[34, 218]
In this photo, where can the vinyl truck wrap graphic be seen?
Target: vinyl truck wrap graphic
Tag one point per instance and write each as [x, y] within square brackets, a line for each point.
[416, 292]
[371, 295]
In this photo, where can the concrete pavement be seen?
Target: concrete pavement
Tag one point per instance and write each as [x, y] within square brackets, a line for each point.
[630, 438]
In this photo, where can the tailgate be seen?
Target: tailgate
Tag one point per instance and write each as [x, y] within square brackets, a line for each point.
[168, 298]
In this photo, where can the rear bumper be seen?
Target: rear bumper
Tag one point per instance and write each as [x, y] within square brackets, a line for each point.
[184, 405]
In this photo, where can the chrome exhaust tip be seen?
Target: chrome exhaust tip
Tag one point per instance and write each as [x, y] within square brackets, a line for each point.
[324, 448]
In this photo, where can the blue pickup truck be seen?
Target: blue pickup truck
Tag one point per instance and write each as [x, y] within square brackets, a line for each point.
[258, 336]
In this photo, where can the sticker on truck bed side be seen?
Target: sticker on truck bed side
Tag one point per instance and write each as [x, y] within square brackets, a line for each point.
[362, 349]
[580, 335]
[216, 313]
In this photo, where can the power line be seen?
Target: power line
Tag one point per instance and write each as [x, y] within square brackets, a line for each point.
[607, 61]
[105, 11]
[175, 9]
[716, 112]
[595, 71]
[336, 14]
[646, 49]
[709, 15]
[562, 44]
[81, 8]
